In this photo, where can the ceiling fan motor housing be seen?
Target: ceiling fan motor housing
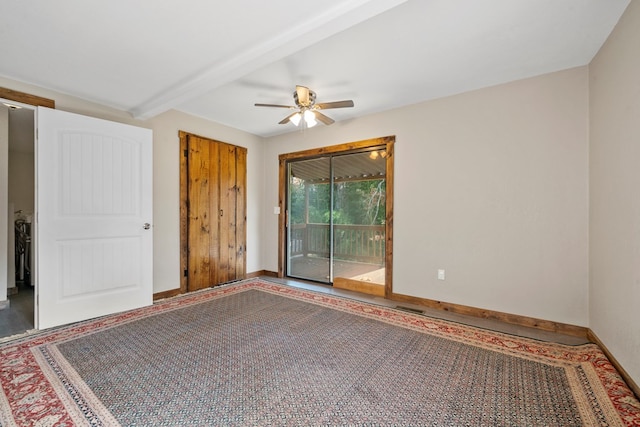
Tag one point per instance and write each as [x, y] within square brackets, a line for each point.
[312, 99]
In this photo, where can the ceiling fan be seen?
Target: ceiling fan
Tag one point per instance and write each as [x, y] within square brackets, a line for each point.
[305, 100]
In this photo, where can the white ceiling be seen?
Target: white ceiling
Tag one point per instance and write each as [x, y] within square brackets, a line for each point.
[216, 59]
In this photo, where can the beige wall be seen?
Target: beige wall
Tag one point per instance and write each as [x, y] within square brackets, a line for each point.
[21, 181]
[166, 183]
[615, 192]
[491, 185]
[166, 166]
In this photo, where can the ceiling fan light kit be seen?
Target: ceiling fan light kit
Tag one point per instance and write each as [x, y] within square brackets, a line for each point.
[310, 118]
[295, 119]
[305, 100]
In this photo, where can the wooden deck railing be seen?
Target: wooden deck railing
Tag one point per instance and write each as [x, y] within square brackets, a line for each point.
[363, 243]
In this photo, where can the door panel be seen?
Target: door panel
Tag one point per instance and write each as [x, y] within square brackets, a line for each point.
[98, 265]
[359, 218]
[309, 231]
[94, 196]
[216, 212]
[202, 207]
[227, 212]
[241, 213]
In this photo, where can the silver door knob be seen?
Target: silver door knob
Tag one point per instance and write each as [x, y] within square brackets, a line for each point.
[146, 226]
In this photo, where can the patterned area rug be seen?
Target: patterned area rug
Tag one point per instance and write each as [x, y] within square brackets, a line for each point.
[257, 353]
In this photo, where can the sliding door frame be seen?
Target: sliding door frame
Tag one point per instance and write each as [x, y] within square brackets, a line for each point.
[386, 141]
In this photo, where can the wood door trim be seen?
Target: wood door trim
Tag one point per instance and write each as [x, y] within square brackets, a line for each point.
[26, 98]
[388, 142]
[184, 211]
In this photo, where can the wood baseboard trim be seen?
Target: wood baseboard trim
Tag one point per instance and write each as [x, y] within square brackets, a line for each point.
[514, 319]
[359, 286]
[167, 294]
[174, 292]
[254, 274]
[261, 273]
[530, 322]
[625, 376]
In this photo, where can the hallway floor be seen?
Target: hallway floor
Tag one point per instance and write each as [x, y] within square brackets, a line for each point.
[18, 317]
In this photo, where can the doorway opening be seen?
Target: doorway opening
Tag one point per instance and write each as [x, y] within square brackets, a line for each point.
[17, 210]
[338, 204]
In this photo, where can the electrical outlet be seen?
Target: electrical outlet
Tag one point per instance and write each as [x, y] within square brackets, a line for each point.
[440, 274]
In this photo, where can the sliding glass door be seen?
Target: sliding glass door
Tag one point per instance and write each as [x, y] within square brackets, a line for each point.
[358, 229]
[309, 221]
[336, 208]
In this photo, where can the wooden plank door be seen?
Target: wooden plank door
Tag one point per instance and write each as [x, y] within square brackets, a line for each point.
[94, 213]
[227, 212]
[240, 260]
[202, 228]
[215, 223]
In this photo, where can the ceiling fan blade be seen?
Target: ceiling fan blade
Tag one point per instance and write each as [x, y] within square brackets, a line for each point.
[336, 104]
[303, 95]
[287, 119]
[274, 105]
[324, 119]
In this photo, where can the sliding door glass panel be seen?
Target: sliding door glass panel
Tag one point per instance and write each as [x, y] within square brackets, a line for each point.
[359, 202]
[308, 222]
[336, 217]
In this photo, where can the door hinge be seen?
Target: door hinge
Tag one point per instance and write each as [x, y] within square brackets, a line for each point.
[186, 153]
[186, 273]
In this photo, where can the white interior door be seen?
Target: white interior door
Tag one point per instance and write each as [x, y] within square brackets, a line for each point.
[94, 197]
